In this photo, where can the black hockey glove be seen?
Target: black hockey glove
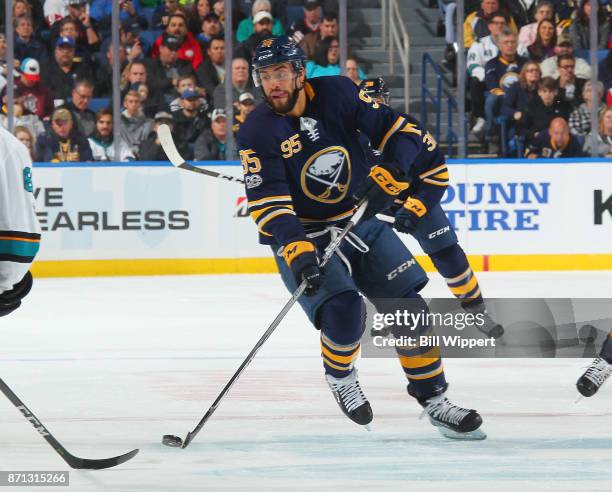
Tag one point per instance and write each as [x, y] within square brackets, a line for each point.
[407, 217]
[11, 299]
[380, 187]
[301, 256]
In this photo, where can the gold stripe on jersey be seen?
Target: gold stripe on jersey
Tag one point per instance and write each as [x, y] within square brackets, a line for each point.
[399, 122]
[268, 216]
[258, 213]
[437, 169]
[269, 199]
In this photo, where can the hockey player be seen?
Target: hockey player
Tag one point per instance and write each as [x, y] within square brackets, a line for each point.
[19, 228]
[598, 371]
[436, 235]
[303, 163]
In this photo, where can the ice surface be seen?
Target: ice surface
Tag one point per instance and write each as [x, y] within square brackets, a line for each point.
[110, 364]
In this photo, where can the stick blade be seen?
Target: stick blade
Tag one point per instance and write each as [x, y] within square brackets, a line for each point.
[88, 464]
[167, 142]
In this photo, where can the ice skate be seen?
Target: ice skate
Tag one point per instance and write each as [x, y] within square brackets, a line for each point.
[489, 327]
[350, 398]
[452, 421]
[594, 377]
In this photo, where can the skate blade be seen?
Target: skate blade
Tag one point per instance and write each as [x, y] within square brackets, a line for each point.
[368, 427]
[579, 399]
[475, 435]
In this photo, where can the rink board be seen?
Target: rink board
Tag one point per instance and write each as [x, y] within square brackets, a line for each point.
[150, 218]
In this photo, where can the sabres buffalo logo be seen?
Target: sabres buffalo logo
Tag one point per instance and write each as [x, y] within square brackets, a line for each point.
[266, 43]
[326, 175]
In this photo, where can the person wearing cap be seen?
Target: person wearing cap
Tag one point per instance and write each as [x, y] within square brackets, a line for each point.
[165, 69]
[309, 23]
[189, 49]
[26, 45]
[184, 83]
[62, 71]
[101, 141]
[262, 24]
[241, 82]
[210, 145]
[211, 28]
[71, 28]
[63, 142]
[151, 149]
[246, 26]
[135, 126]
[34, 97]
[564, 47]
[246, 104]
[212, 72]
[191, 120]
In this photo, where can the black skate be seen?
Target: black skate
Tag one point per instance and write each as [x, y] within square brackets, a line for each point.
[452, 421]
[490, 327]
[350, 398]
[594, 377]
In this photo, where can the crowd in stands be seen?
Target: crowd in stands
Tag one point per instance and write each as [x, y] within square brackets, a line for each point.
[528, 74]
[172, 57]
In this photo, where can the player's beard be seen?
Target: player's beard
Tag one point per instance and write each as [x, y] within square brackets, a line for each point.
[286, 107]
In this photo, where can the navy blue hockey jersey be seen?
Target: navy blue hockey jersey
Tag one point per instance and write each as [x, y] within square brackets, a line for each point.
[304, 170]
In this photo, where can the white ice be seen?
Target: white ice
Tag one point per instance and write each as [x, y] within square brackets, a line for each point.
[109, 364]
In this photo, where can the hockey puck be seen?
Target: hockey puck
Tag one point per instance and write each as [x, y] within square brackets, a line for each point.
[172, 441]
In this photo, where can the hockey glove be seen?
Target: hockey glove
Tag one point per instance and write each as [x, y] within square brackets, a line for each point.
[379, 188]
[11, 299]
[407, 217]
[301, 257]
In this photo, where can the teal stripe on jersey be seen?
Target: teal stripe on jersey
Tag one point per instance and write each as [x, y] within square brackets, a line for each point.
[19, 248]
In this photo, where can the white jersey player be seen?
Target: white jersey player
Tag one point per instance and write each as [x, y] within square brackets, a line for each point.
[19, 228]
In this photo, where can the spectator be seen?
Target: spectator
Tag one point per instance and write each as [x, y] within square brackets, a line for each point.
[353, 71]
[212, 71]
[135, 126]
[210, 145]
[195, 16]
[546, 41]
[211, 28]
[605, 74]
[327, 59]
[21, 8]
[189, 49]
[188, 82]
[62, 71]
[528, 33]
[564, 47]
[191, 120]
[129, 36]
[604, 136]
[218, 7]
[309, 23]
[151, 149]
[101, 141]
[542, 109]
[129, 11]
[476, 26]
[83, 117]
[518, 96]
[580, 118]
[63, 142]
[104, 72]
[555, 142]
[23, 118]
[161, 16]
[241, 82]
[500, 73]
[246, 105]
[135, 78]
[262, 24]
[25, 136]
[55, 11]
[31, 93]
[477, 57]
[570, 86]
[26, 46]
[246, 26]
[164, 71]
[580, 32]
[328, 27]
[82, 30]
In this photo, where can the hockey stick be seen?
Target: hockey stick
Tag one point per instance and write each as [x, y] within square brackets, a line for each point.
[175, 441]
[167, 143]
[73, 461]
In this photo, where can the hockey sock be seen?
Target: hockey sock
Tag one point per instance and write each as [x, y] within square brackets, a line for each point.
[342, 321]
[453, 265]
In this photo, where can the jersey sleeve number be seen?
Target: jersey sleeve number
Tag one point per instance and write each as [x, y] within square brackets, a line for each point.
[291, 146]
[27, 179]
[250, 163]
